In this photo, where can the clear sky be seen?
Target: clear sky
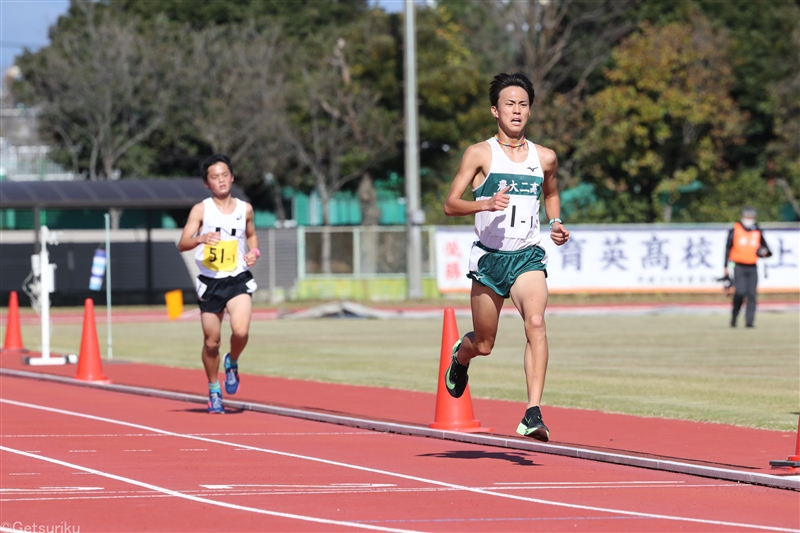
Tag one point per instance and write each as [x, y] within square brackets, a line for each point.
[24, 23]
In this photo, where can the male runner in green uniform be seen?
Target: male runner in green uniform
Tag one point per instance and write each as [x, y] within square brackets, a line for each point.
[508, 174]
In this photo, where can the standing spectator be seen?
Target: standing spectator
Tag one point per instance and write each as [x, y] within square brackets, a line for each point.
[745, 246]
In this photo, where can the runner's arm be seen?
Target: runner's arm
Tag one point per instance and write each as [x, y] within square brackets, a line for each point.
[252, 239]
[190, 238]
[552, 202]
[472, 164]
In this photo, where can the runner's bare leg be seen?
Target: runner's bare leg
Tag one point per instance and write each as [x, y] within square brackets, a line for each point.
[486, 305]
[240, 309]
[529, 294]
[212, 325]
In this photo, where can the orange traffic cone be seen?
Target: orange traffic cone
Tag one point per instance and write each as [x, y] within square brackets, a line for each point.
[13, 332]
[89, 367]
[452, 414]
[794, 460]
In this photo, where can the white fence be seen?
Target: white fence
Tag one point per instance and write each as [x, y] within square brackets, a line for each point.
[30, 163]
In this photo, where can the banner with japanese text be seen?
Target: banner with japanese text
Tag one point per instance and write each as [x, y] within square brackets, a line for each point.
[633, 258]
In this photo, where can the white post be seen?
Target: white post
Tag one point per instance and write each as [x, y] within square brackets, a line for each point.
[46, 286]
[108, 284]
[44, 293]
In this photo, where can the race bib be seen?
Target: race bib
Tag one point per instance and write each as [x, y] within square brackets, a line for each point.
[519, 217]
[221, 257]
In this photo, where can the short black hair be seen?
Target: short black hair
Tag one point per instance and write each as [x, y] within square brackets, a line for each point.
[213, 160]
[503, 80]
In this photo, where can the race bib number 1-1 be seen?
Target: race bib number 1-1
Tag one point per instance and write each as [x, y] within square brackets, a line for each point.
[221, 257]
[519, 217]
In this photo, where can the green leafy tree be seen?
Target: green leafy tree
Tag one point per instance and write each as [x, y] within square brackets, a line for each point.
[784, 150]
[300, 18]
[663, 123]
[763, 54]
[559, 44]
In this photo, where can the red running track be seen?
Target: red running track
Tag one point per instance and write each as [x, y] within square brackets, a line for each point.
[105, 461]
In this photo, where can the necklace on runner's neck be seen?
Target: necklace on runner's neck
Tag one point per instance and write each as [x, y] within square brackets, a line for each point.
[496, 138]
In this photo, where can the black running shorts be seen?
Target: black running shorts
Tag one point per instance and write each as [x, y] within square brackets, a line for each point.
[213, 294]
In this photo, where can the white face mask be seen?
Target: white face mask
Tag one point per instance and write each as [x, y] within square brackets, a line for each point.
[748, 222]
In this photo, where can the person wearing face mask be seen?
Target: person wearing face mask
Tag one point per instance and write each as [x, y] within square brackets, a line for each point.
[745, 246]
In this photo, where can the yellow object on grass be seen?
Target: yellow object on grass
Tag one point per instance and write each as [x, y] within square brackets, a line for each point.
[174, 303]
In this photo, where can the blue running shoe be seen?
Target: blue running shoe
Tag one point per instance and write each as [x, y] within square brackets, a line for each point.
[215, 406]
[231, 375]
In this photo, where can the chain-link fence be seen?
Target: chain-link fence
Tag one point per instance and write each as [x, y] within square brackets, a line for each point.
[359, 251]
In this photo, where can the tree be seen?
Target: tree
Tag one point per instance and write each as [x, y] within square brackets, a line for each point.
[232, 80]
[559, 44]
[784, 150]
[335, 126]
[764, 54]
[104, 86]
[663, 122]
[299, 18]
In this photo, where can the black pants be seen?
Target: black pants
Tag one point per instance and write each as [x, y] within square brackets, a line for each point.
[745, 280]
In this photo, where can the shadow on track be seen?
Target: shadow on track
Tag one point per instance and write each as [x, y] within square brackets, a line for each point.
[519, 458]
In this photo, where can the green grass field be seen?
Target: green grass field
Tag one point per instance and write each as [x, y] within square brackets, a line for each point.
[692, 367]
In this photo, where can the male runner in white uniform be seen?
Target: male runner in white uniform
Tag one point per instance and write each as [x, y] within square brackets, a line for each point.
[218, 229]
[507, 175]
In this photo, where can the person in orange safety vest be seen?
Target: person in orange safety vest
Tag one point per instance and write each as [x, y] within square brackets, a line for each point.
[745, 246]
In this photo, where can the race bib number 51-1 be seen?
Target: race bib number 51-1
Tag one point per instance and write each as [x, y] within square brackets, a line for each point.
[221, 257]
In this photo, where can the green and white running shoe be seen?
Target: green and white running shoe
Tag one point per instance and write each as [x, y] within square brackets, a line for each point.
[455, 377]
[532, 425]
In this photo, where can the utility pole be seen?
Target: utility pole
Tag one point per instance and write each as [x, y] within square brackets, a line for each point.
[415, 217]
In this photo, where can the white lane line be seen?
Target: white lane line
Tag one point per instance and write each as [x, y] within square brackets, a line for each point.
[49, 490]
[68, 495]
[24, 474]
[201, 499]
[327, 486]
[228, 494]
[93, 435]
[584, 483]
[403, 476]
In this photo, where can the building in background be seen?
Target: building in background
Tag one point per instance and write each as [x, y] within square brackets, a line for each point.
[23, 155]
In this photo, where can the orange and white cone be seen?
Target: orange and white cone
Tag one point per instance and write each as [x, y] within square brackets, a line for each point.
[452, 414]
[13, 340]
[89, 366]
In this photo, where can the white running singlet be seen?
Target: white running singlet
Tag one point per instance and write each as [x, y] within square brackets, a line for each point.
[226, 258]
[517, 226]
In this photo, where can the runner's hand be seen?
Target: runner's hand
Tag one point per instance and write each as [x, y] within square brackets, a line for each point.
[500, 200]
[559, 234]
[210, 238]
[250, 258]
